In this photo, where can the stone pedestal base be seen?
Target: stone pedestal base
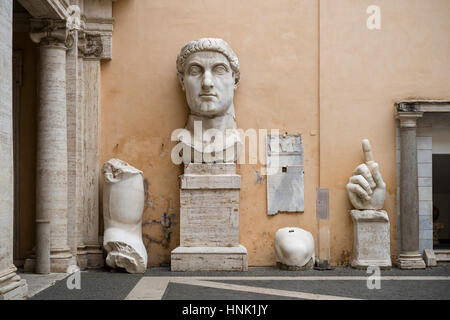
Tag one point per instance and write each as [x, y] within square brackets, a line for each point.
[429, 258]
[410, 261]
[209, 259]
[12, 287]
[94, 257]
[371, 239]
[209, 220]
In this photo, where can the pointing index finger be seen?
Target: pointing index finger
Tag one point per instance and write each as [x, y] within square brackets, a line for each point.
[367, 151]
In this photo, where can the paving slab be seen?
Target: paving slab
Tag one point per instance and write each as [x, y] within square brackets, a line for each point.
[261, 283]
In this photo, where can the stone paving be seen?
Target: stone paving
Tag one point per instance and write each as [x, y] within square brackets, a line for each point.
[266, 283]
[38, 282]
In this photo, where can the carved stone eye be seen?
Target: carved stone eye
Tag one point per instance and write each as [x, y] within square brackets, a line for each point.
[220, 69]
[195, 70]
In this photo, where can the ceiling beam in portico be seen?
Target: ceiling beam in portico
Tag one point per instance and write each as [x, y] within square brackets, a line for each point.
[46, 9]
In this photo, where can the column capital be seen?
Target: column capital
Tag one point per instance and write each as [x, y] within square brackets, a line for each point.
[408, 119]
[57, 32]
[49, 32]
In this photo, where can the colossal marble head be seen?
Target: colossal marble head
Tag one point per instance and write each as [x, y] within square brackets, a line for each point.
[208, 71]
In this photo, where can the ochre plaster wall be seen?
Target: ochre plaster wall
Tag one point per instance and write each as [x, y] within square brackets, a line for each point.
[335, 101]
[142, 102]
[362, 74]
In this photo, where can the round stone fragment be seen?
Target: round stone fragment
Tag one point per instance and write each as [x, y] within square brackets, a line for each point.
[294, 249]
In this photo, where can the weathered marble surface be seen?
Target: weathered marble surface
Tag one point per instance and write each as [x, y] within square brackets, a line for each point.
[86, 28]
[208, 71]
[285, 184]
[294, 249]
[371, 241]
[90, 179]
[52, 148]
[209, 220]
[11, 285]
[123, 205]
[366, 188]
[371, 235]
[429, 257]
[209, 259]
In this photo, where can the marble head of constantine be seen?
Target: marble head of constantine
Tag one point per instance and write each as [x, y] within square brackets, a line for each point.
[208, 71]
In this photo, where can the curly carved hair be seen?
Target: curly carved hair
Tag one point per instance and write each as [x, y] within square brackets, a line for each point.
[209, 44]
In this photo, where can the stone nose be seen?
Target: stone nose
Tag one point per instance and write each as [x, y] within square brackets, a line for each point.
[207, 82]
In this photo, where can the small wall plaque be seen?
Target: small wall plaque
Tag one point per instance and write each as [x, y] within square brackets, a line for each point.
[322, 206]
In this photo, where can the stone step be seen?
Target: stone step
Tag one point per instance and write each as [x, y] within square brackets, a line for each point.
[442, 255]
[209, 259]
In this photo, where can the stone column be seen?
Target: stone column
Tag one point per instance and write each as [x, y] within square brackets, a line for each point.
[72, 109]
[52, 170]
[11, 286]
[92, 82]
[81, 221]
[91, 48]
[409, 257]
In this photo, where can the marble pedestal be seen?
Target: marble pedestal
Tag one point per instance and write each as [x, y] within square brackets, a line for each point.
[371, 242]
[209, 220]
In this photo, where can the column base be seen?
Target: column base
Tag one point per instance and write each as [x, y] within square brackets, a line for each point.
[410, 261]
[60, 260]
[12, 287]
[82, 259]
[95, 258]
[209, 259]
[29, 265]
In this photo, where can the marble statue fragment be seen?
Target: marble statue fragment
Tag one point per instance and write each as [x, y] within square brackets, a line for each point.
[367, 193]
[208, 71]
[123, 205]
[294, 249]
[366, 188]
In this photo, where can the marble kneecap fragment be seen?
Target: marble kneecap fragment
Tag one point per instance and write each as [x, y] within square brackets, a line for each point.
[294, 249]
[123, 205]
